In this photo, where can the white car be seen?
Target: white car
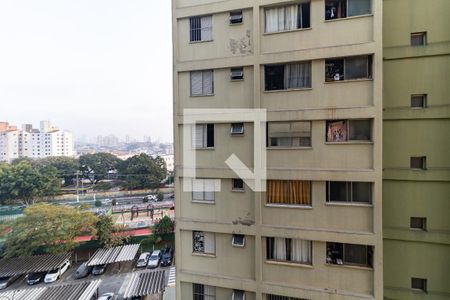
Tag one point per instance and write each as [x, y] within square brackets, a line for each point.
[54, 275]
[143, 259]
[154, 259]
[106, 296]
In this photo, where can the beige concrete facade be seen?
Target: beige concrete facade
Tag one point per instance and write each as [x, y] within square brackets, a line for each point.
[248, 213]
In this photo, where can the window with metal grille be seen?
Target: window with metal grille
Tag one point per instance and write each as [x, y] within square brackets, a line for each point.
[418, 162]
[418, 39]
[342, 191]
[337, 9]
[276, 297]
[203, 242]
[201, 28]
[348, 68]
[419, 284]
[419, 101]
[418, 223]
[203, 292]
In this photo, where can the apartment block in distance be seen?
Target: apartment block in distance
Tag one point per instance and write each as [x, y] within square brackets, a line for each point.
[316, 67]
[416, 144]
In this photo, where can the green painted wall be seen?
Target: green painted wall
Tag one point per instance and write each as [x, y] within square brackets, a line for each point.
[416, 132]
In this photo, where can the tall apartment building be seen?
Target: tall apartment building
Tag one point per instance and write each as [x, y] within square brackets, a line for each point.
[34, 143]
[416, 144]
[316, 67]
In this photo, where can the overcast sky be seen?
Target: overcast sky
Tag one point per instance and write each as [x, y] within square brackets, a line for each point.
[94, 67]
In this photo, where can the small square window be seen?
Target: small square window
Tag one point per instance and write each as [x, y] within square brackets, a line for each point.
[419, 162]
[237, 128]
[238, 295]
[419, 101]
[419, 284]
[236, 17]
[418, 39]
[238, 185]
[237, 73]
[238, 240]
[418, 223]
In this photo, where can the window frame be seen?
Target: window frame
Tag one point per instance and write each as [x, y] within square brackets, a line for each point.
[284, 203]
[204, 192]
[284, 80]
[270, 244]
[203, 251]
[300, 16]
[200, 29]
[203, 93]
[349, 193]
[239, 77]
[423, 162]
[348, 123]
[292, 138]
[423, 283]
[421, 220]
[233, 186]
[234, 243]
[344, 77]
[202, 295]
[422, 35]
[421, 98]
[369, 255]
[346, 11]
[236, 13]
[208, 136]
[237, 133]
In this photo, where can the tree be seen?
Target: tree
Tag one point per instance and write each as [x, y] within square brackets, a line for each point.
[160, 196]
[98, 203]
[97, 166]
[109, 234]
[27, 183]
[67, 167]
[162, 229]
[47, 228]
[143, 171]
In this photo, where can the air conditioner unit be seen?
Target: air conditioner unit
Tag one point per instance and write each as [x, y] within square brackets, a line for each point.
[238, 295]
[237, 128]
[236, 17]
[238, 240]
[237, 74]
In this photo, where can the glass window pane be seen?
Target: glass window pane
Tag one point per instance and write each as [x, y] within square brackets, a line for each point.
[362, 192]
[356, 68]
[360, 130]
[338, 191]
[359, 7]
[355, 254]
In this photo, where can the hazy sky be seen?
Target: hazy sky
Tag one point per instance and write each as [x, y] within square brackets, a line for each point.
[94, 67]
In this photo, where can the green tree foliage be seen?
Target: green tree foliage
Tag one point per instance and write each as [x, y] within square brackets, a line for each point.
[109, 234]
[143, 171]
[160, 196]
[162, 229]
[96, 167]
[47, 228]
[67, 167]
[98, 203]
[27, 183]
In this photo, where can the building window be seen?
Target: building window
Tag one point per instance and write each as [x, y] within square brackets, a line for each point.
[289, 134]
[237, 74]
[341, 191]
[238, 184]
[238, 295]
[349, 68]
[203, 136]
[419, 101]
[237, 128]
[419, 284]
[238, 240]
[202, 83]
[418, 39]
[287, 76]
[289, 192]
[276, 297]
[349, 130]
[337, 9]
[204, 242]
[203, 189]
[289, 250]
[349, 254]
[236, 17]
[201, 29]
[203, 292]
[418, 223]
[418, 162]
[285, 18]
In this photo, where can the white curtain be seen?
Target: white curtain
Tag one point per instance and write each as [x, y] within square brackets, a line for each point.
[209, 292]
[199, 136]
[209, 189]
[197, 189]
[271, 20]
[291, 17]
[206, 23]
[210, 243]
[301, 251]
[208, 82]
[297, 75]
[279, 248]
[281, 18]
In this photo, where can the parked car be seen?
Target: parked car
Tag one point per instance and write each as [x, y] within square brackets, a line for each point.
[99, 270]
[6, 281]
[167, 257]
[106, 296]
[83, 271]
[154, 259]
[55, 274]
[152, 198]
[143, 260]
[35, 278]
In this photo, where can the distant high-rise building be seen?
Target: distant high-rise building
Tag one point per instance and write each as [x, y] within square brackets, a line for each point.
[34, 143]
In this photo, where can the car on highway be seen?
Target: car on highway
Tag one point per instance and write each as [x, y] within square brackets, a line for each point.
[142, 260]
[83, 271]
[154, 259]
[35, 278]
[6, 281]
[167, 257]
[106, 296]
[55, 274]
[99, 269]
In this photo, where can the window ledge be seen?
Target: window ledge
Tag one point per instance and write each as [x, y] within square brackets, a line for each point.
[238, 190]
[237, 80]
[286, 31]
[204, 254]
[203, 149]
[289, 264]
[349, 18]
[203, 202]
[348, 80]
[201, 96]
[349, 267]
[288, 90]
[350, 143]
[288, 206]
[288, 148]
[199, 42]
[334, 203]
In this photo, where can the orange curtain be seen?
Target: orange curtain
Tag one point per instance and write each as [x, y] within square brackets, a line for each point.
[293, 192]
